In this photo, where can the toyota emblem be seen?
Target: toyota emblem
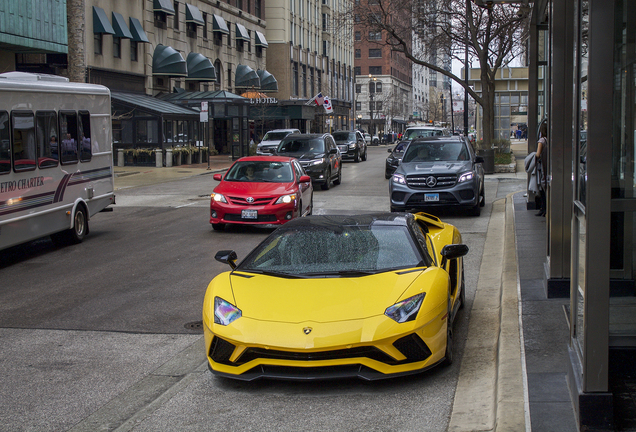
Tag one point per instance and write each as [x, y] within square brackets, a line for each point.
[307, 330]
[250, 200]
[431, 181]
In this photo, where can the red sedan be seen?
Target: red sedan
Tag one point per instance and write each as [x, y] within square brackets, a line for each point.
[261, 190]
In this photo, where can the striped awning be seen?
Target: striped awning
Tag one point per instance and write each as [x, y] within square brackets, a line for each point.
[200, 68]
[167, 61]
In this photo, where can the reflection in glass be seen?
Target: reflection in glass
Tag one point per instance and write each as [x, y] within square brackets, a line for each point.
[580, 292]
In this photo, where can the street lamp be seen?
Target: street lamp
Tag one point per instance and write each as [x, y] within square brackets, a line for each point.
[372, 83]
[441, 100]
[359, 120]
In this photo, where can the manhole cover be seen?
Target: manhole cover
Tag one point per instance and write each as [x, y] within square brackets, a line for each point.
[195, 325]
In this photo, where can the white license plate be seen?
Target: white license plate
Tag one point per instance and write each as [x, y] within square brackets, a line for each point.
[431, 197]
[249, 214]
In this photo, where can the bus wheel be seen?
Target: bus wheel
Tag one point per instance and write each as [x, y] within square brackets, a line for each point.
[80, 226]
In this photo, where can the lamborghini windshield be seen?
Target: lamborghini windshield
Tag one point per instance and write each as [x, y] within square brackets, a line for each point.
[338, 251]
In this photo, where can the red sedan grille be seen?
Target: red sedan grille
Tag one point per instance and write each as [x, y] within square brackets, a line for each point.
[257, 201]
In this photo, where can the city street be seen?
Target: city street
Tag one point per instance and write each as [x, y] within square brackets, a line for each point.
[105, 335]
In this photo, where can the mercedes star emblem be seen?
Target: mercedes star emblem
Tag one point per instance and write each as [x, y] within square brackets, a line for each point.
[307, 330]
[431, 181]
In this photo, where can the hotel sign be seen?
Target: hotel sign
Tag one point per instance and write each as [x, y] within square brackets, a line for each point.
[264, 101]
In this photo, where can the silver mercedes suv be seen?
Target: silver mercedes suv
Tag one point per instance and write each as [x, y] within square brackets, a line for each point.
[438, 172]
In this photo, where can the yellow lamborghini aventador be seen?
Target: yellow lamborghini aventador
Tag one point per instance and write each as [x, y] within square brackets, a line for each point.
[368, 296]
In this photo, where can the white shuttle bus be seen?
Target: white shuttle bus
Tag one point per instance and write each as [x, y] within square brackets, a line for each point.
[56, 161]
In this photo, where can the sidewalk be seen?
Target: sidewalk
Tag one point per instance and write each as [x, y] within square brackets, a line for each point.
[134, 176]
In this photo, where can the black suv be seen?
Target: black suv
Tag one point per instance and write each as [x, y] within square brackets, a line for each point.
[351, 144]
[438, 171]
[318, 155]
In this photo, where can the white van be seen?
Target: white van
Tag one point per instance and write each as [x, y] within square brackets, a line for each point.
[270, 141]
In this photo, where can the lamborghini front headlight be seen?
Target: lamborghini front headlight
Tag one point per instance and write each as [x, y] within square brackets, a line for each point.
[224, 312]
[406, 310]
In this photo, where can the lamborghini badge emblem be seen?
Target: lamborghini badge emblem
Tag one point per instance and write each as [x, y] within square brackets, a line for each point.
[307, 330]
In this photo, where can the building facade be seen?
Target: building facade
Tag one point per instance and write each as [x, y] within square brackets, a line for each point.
[511, 100]
[312, 42]
[384, 78]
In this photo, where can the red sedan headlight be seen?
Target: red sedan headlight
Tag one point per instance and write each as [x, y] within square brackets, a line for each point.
[286, 199]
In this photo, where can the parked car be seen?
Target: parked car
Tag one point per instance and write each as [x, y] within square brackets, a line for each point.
[394, 159]
[260, 190]
[318, 155]
[270, 141]
[351, 145]
[329, 297]
[438, 171]
[367, 138]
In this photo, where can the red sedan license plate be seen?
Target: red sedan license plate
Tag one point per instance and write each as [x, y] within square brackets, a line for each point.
[431, 197]
[249, 214]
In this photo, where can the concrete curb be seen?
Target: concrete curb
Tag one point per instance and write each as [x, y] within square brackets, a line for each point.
[490, 393]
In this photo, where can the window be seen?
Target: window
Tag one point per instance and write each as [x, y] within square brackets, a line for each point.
[191, 30]
[205, 25]
[97, 43]
[375, 53]
[116, 47]
[375, 70]
[358, 36]
[357, 70]
[24, 150]
[229, 34]
[47, 139]
[378, 105]
[358, 53]
[358, 106]
[375, 35]
[68, 135]
[357, 18]
[378, 87]
[176, 15]
[5, 143]
[257, 9]
[133, 50]
[84, 125]
[160, 19]
[358, 88]
[218, 38]
[295, 79]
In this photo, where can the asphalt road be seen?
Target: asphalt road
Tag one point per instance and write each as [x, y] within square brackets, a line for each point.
[104, 336]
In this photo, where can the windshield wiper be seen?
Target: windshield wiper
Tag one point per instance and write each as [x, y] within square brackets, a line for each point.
[271, 273]
[351, 273]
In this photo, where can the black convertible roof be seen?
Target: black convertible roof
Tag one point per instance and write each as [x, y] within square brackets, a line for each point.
[331, 221]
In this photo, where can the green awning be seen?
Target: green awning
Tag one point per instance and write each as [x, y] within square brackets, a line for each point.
[268, 82]
[167, 61]
[241, 33]
[200, 68]
[121, 29]
[260, 40]
[219, 25]
[100, 22]
[193, 15]
[152, 105]
[164, 6]
[138, 33]
[245, 76]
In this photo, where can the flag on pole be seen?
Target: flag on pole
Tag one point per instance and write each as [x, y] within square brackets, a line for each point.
[318, 100]
[327, 105]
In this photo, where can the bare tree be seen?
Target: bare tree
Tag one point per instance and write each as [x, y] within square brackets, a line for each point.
[493, 36]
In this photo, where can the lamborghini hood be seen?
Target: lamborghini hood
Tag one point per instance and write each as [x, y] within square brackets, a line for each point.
[322, 300]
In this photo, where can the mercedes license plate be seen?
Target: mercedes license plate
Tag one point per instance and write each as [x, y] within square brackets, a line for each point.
[249, 214]
[431, 197]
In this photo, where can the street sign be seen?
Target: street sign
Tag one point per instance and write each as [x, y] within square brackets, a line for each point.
[203, 115]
